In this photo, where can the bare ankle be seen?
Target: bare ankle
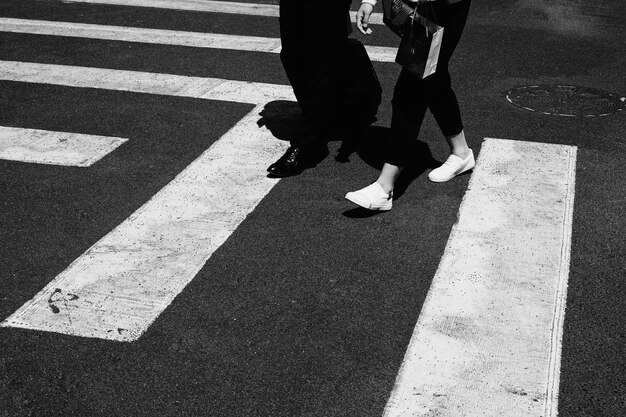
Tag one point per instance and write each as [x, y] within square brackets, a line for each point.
[461, 152]
[388, 188]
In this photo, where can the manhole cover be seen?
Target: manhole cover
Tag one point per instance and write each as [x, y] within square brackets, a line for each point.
[565, 100]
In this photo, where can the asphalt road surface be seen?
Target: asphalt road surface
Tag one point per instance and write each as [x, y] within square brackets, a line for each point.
[148, 267]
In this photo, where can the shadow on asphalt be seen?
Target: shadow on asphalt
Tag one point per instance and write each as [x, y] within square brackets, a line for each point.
[371, 149]
[281, 117]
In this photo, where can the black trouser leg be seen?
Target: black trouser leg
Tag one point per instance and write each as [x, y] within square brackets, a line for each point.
[293, 50]
[413, 95]
[313, 35]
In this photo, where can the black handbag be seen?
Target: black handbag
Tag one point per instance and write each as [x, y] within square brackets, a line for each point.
[420, 44]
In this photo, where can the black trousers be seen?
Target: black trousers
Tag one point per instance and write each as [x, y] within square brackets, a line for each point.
[413, 95]
[313, 35]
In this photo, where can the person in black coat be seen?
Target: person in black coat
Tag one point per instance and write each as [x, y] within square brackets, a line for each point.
[313, 35]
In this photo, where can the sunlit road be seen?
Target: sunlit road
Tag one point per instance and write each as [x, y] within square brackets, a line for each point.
[149, 267]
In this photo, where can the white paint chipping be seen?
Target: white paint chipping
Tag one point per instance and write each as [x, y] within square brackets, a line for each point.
[54, 148]
[488, 339]
[142, 35]
[163, 37]
[145, 82]
[119, 286]
[269, 10]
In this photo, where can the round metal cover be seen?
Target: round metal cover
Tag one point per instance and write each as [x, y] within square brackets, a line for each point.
[565, 100]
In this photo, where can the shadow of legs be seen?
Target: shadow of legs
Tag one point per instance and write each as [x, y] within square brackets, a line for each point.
[282, 118]
[371, 146]
[421, 161]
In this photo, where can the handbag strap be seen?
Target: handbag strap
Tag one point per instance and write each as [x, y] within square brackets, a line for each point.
[432, 10]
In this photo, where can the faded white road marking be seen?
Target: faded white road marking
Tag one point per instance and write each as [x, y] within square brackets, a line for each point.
[55, 148]
[270, 10]
[163, 37]
[118, 287]
[488, 339]
[145, 82]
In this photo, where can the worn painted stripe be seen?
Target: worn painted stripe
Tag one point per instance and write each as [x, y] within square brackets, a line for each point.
[163, 37]
[54, 148]
[145, 82]
[270, 10]
[488, 339]
[119, 286]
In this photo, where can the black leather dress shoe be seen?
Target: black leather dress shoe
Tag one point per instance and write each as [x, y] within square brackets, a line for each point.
[296, 160]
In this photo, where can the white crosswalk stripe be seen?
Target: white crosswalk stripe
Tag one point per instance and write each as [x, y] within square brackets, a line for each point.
[230, 7]
[489, 334]
[118, 287]
[145, 82]
[55, 148]
[163, 37]
[269, 10]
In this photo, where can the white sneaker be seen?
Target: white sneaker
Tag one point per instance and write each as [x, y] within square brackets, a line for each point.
[452, 167]
[372, 197]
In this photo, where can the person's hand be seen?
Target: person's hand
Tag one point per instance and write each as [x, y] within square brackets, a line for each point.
[363, 18]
